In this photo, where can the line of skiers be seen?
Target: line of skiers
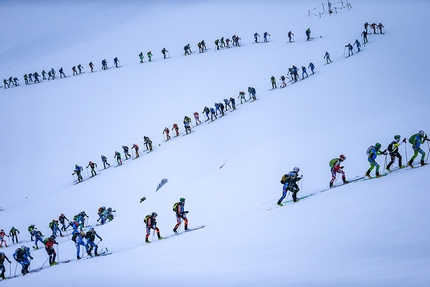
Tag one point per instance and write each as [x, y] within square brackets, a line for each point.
[290, 179]
[77, 70]
[211, 114]
[22, 254]
[181, 216]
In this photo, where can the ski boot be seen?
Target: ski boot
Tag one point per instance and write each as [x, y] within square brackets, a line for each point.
[378, 175]
[368, 174]
[422, 164]
[410, 163]
[345, 181]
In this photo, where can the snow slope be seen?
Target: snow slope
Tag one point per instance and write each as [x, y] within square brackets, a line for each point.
[370, 233]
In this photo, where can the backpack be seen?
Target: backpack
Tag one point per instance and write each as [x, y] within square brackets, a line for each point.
[332, 162]
[146, 218]
[412, 139]
[175, 206]
[369, 149]
[74, 237]
[284, 178]
[50, 225]
[390, 147]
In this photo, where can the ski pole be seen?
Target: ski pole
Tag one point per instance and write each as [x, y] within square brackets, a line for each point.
[44, 263]
[16, 265]
[10, 269]
[87, 172]
[406, 152]
[58, 253]
[428, 145]
[385, 163]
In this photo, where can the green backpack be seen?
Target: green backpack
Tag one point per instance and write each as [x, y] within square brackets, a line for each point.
[412, 139]
[332, 162]
[146, 218]
[175, 206]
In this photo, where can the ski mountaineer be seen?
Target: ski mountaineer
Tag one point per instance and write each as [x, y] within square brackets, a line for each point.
[336, 167]
[312, 67]
[242, 96]
[187, 50]
[166, 131]
[206, 111]
[187, 124]
[116, 61]
[91, 66]
[366, 25]
[3, 257]
[149, 54]
[417, 140]
[74, 226]
[227, 104]
[216, 42]
[304, 72]
[181, 214]
[373, 26]
[104, 64]
[289, 36]
[78, 171]
[118, 157]
[289, 182]
[393, 150]
[62, 73]
[364, 34]
[126, 153]
[164, 51]
[80, 68]
[31, 229]
[253, 93]
[213, 114]
[78, 238]
[217, 108]
[104, 160]
[380, 26]
[74, 72]
[233, 103]
[136, 150]
[197, 118]
[327, 58]
[148, 143]
[22, 256]
[151, 223]
[221, 107]
[350, 52]
[358, 45]
[14, 234]
[273, 80]
[93, 166]
[265, 36]
[62, 219]
[90, 236]
[49, 247]
[308, 34]
[372, 153]
[53, 225]
[284, 84]
[176, 128]
[100, 213]
[2, 235]
[80, 218]
[255, 37]
[25, 80]
[38, 237]
[141, 57]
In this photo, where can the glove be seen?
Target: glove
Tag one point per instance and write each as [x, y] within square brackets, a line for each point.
[404, 140]
[31, 257]
[186, 212]
[341, 167]
[101, 239]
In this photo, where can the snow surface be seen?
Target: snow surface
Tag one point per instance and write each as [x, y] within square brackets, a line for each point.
[372, 233]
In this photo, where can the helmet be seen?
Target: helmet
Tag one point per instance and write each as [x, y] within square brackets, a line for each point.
[2, 230]
[296, 169]
[182, 199]
[1, 253]
[378, 145]
[90, 162]
[52, 236]
[76, 165]
[421, 133]
[23, 247]
[91, 229]
[397, 137]
[342, 157]
[62, 214]
[122, 146]
[82, 233]
[154, 214]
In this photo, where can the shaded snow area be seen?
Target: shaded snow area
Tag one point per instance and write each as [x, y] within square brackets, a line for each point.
[368, 233]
